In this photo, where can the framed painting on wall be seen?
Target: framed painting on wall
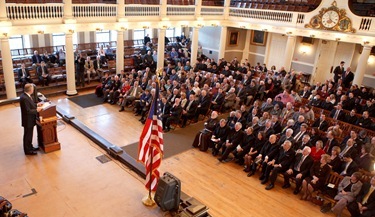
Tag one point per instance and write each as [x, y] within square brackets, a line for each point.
[233, 38]
[258, 37]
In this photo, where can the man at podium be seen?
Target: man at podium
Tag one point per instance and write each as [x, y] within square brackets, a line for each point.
[29, 114]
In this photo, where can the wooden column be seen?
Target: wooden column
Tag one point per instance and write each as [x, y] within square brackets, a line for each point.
[8, 69]
[70, 69]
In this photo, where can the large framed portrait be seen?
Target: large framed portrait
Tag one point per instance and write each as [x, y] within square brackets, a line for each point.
[258, 37]
[233, 38]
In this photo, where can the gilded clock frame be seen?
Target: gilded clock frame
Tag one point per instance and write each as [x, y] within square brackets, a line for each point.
[344, 24]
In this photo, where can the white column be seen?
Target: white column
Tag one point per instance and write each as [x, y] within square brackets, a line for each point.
[70, 69]
[120, 52]
[223, 41]
[226, 9]
[120, 10]
[245, 52]
[161, 48]
[68, 12]
[163, 9]
[198, 8]
[8, 69]
[362, 65]
[194, 46]
[3, 11]
[289, 50]
[267, 54]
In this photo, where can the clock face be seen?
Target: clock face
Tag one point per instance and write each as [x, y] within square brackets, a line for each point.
[330, 19]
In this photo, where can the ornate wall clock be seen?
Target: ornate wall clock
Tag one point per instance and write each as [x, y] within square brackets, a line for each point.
[331, 18]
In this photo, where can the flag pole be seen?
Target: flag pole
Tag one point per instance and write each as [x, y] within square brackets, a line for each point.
[148, 200]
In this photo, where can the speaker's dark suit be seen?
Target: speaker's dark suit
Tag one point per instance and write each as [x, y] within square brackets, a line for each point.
[28, 116]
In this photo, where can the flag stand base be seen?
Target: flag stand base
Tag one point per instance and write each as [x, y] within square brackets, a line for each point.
[148, 200]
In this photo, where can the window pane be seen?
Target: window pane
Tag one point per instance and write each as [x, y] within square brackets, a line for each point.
[169, 33]
[16, 42]
[58, 39]
[139, 34]
[102, 36]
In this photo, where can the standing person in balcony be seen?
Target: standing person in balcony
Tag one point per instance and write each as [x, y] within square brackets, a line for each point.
[80, 70]
[61, 57]
[36, 58]
[146, 39]
[338, 71]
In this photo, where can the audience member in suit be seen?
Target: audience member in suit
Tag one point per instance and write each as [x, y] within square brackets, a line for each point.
[349, 166]
[338, 71]
[298, 134]
[219, 136]
[267, 128]
[90, 69]
[321, 123]
[348, 190]
[288, 135]
[327, 104]
[80, 70]
[189, 110]
[266, 154]
[29, 115]
[276, 125]
[370, 107]
[98, 66]
[330, 142]
[36, 58]
[175, 94]
[203, 137]
[299, 169]
[279, 164]
[233, 141]
[348, 148]
[24, 75]
[319, 173]
[305, 93]
[289, 125]
[305, 141]
[43, 74]
[336, 162]
[203, 105]
[229, 99]
[144, 101]
[365, 121]
[240, 95]
[364, 205]
[314, 135]
[217, 100]
[133, 94]
[347, 77]
[246, 144]
[175, 115]
[364, 160]
[351, 117]
[338, 113]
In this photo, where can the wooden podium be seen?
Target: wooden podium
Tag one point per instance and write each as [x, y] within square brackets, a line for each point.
[48, 124]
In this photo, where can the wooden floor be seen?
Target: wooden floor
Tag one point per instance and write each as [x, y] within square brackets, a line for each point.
[71, 182]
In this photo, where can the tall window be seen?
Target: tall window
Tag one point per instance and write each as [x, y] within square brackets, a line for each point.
[103, 36]
[16, 42]
[58, 39]
[140, 33]
[173, 32]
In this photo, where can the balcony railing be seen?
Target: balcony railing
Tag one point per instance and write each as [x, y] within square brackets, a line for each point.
[97, 10]
[34, 11]
[262, 14]
[180, 10]
[142, 10]
[212, 11]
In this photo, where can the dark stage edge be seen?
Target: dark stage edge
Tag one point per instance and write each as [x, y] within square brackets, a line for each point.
[124, 158]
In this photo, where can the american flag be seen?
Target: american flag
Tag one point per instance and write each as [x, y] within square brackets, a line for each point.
[150, 150]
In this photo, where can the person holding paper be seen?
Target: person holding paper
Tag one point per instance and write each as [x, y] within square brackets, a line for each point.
[29, 115]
